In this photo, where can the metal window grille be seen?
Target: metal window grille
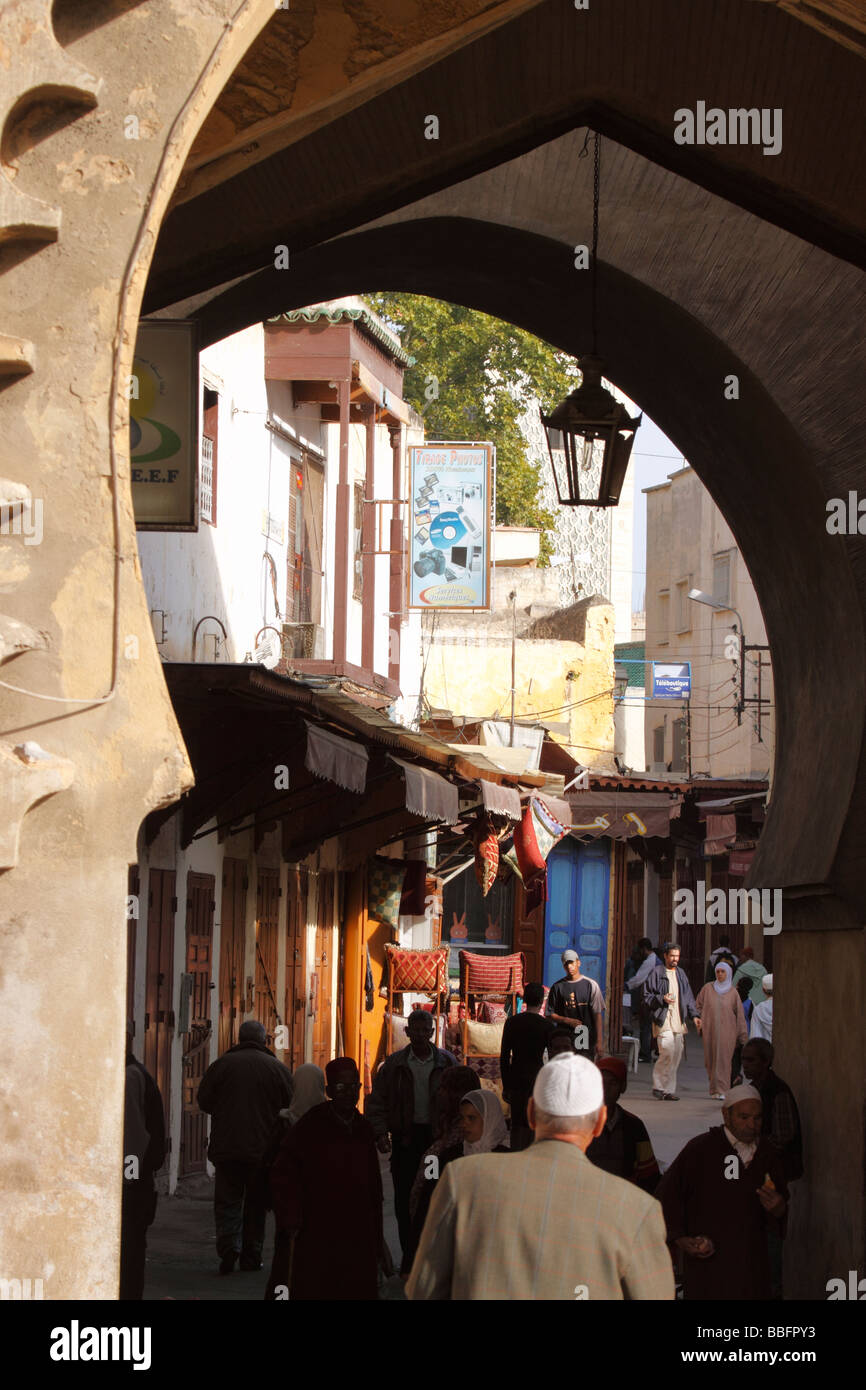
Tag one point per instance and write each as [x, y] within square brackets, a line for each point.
[722, 578]
[659, 744]
[206, 480]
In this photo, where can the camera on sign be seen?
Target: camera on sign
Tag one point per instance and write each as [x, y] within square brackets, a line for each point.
[429, 562]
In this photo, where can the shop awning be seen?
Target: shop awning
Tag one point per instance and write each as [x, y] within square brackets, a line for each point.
[336, 759]
[428, 794]
[621, 815]
[501, 801]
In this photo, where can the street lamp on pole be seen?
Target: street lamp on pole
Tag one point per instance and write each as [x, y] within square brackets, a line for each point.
[698, 596]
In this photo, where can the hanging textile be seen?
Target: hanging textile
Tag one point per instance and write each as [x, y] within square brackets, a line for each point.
[486, 842]
[385, 889]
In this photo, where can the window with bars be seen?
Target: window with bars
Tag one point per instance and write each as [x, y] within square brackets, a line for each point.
[722, 567]
[207, 472]
[659, 744]
[679, 758]
[358, 571]
[684, 606]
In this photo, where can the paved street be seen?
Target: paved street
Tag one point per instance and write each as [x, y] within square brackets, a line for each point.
[181, 1257]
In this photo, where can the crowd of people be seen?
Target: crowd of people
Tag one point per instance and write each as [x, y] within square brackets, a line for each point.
[552, 1191]
[735, 1004]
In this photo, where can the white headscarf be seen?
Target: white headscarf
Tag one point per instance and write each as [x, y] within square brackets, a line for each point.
[723, 988]
[495, 1133]
[309, 1090]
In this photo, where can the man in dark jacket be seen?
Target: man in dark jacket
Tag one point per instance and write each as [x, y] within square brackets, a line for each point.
[143, 1156]
[524, 1038]
[403, 1104]
[668, 996]
[243, 1091]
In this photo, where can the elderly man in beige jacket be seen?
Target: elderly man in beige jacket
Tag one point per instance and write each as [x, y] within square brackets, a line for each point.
[544, 1223]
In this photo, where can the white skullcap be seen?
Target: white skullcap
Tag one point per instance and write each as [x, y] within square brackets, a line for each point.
[568, 1085]
[766, 982]
[738, 1093]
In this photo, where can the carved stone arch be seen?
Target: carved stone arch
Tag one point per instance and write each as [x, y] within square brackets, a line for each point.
[80, 209]
[750, 458]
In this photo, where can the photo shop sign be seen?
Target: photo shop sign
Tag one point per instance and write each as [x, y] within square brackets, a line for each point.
[163, 425]
[451, 500]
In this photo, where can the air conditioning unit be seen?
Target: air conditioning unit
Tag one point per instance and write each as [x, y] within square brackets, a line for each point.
[304, 641]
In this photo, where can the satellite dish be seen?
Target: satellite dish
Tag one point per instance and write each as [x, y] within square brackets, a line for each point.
[269, 650]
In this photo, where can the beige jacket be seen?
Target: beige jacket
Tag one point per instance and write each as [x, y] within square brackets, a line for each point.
[544, 1223]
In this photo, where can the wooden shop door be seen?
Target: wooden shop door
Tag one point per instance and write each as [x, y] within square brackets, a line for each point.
[296, 966]
[267, 948]
[159, 1021]
[200, 906]
[322, 1002]
[232, 942]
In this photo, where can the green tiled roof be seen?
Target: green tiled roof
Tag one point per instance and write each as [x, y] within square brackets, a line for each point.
[631, 656]
[362, 317]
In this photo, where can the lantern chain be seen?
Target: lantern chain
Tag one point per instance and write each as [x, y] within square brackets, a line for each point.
[596, 189]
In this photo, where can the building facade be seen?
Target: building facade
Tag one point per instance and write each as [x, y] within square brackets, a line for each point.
[691, 546]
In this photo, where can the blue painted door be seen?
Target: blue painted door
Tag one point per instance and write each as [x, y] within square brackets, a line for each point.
[575, 916]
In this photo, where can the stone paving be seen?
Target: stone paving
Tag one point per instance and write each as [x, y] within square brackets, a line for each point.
[181, 1257]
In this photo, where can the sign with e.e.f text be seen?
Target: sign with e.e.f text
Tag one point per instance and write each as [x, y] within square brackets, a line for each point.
[163, 425]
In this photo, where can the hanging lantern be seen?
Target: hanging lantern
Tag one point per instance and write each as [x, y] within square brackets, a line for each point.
[589, 437]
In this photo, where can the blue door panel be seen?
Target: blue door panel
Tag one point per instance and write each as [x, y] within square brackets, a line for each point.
[576, 914]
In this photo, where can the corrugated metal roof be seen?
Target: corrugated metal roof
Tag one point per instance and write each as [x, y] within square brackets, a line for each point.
[365, 320]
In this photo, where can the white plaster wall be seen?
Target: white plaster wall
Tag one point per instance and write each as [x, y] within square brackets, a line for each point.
[221, 569]
[628, 716]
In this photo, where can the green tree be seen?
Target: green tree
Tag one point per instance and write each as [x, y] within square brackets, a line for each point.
[473, 377]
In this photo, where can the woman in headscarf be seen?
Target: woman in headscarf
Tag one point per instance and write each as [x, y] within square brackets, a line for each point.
[448, 1145]
[308, 1083]
[722, 1025]
[483, 1124]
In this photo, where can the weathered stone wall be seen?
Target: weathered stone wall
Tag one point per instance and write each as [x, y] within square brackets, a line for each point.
[80, 208]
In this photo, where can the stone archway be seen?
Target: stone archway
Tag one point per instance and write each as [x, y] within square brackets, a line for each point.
[80, 208]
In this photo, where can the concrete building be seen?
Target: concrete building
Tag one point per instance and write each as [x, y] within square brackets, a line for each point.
[563, 657]
[691, 546]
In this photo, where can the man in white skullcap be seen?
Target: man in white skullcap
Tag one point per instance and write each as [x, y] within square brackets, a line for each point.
[762, 1014]
[544, 1223]
[722, 1195]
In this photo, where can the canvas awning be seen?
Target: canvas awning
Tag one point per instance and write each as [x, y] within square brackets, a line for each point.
[501, 801]
[428, 794]
[336, 759]
[621, 815]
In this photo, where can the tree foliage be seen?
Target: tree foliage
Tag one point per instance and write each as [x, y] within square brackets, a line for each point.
[473, 377]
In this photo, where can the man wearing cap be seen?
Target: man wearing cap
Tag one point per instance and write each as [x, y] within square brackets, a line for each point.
[544, 1223]
[577, 1002]
[762, 1015]
[327, 1192]
[623, 1147]
[721, 1196]
[669, 998]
